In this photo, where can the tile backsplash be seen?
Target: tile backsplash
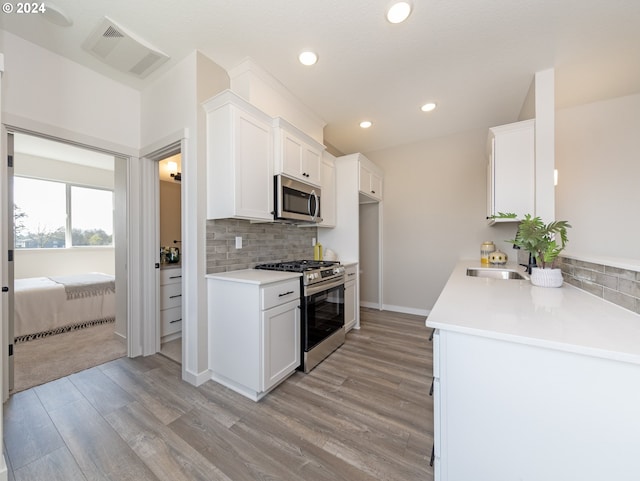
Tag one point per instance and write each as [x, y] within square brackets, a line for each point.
[620, 286]
[261, 242]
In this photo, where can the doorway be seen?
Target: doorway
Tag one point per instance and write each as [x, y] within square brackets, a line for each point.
[69, 217]
[170, 245]
[162, 249]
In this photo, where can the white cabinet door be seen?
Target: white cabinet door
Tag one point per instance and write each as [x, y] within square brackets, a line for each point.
[281, 341]
[239, 160]
[292, 148]
[350, 305]
[511, 175]
[351, 300]
[370, 182]
[375, 184]
[254, 174]
[311, 164]
[296, 154]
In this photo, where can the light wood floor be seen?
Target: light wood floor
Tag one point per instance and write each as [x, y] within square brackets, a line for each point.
[362, 414]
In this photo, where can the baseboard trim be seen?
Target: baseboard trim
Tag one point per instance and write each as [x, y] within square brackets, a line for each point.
[196, 378]
[371, 305]
[407, 310]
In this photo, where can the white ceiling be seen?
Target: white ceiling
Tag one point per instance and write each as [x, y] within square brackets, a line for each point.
[474, 58]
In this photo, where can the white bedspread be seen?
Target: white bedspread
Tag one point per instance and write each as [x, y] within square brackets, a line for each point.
[41, 305]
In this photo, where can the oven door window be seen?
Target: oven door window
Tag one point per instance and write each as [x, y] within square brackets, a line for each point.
[324, 315]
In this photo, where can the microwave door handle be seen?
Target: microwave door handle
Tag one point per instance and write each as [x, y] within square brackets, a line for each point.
[314, 215]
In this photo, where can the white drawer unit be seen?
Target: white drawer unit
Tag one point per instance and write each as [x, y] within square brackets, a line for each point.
[170, 301]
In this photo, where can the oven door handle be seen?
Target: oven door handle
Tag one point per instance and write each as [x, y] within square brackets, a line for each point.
[316, 288]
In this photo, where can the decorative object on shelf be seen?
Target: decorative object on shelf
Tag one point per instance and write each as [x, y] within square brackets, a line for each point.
[486, 248]
[497, 258]
[542, 243]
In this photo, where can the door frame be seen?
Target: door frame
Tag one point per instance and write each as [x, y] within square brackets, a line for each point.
[129, 284]
[150, 241]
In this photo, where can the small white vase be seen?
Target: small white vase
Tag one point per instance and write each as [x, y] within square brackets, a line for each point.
[546, 277]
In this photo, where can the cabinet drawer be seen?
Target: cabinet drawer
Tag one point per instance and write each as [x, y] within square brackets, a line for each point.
[170, 320]
[171, 276]
[170, 296]
[281, 293]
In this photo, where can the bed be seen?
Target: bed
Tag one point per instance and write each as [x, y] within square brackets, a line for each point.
[51, 305]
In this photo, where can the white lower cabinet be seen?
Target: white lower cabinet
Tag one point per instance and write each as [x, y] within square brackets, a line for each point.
[351, 300]
[254, 333]
[170, 302]
[510, 411]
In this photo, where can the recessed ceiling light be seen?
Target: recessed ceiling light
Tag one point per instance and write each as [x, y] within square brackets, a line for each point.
[399, 12]
[365, 124]
[308, 58]
[428, 107]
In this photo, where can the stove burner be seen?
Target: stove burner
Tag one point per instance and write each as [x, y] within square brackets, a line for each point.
[296, 266]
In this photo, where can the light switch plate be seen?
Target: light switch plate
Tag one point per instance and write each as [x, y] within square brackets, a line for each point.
[238, 242]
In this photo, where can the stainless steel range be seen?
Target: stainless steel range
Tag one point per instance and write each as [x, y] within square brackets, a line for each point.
[322, 307]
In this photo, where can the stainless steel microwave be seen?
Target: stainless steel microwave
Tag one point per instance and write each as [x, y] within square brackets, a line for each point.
[295, 201]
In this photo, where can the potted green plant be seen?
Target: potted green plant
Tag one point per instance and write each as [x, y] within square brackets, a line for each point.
[544, 242]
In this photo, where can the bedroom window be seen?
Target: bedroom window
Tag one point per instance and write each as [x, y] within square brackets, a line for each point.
[91, 216]
[69, 215]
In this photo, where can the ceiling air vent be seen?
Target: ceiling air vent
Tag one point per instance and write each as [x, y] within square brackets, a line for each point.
[123, 50]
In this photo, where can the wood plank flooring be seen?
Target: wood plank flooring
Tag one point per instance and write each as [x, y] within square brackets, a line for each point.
[363, 414]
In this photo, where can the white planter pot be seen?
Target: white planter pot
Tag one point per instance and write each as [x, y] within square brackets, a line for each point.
[546, 277]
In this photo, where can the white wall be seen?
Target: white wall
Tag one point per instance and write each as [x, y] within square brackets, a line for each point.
[369, 253]
[60, 262]
[170, 105]
[43, 90]
[434, 214]
[50, 169]
[261, 89]
[598, 192]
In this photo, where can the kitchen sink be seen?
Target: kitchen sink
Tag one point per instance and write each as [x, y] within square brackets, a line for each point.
[496, 273]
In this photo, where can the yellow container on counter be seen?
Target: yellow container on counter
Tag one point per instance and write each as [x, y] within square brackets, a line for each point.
[317, 252]
[486, 248]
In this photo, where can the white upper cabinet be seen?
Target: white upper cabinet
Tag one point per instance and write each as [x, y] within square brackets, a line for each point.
[511, 170]
[328, 193]
[297, 154]
[370, 181]
[239, 159]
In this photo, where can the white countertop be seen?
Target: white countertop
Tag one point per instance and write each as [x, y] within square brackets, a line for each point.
[254, 276]
[564, 318]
